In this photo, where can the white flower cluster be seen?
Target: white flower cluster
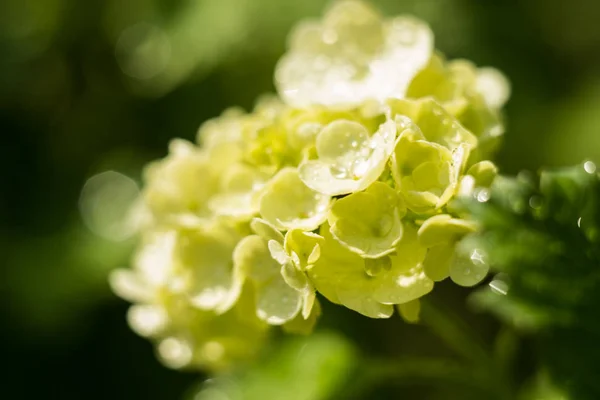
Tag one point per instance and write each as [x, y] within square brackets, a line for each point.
[343, 187]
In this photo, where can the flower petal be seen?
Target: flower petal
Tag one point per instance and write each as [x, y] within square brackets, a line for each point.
[288, 203]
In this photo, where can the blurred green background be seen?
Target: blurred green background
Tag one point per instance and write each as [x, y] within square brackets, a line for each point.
[93, 86]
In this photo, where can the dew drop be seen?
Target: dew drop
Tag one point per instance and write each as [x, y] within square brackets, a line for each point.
[338, 172]
[375, 266]
[483, 195]
[499, 286]
[469, 270]
[359, 168]
[402, 122]
[365, 152]
[478, 257]
[589, 167]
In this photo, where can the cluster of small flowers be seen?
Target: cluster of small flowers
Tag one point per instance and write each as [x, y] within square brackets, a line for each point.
[341, 186]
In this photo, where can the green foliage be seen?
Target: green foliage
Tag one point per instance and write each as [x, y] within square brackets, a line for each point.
[312, 368]
[542, 235]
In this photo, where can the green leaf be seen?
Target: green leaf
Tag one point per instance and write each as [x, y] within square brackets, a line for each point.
[315, 367]
[540, 235]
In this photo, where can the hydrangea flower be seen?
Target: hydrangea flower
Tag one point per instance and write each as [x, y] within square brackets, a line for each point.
[194, 339]
[205, 256]
[426, 173]
[343, 187]
[283, 293]
[178, 187]
[276, 301]
[371, 286]
[474, 96]
[227, 129]
[352, 55]
[465, 266]
[435, 123]
[152, 268]
[239, 194]
[349, 158]
[369, 222]
[296, 254]
[186, 336]
[288, 203]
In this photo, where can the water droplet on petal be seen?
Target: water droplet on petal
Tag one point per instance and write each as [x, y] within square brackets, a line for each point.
[375, 266]
[364, 152]
[478, 257]
[359, 168]
[338, 172]
[402, 122]
[469, 270]
[321, 207]
[483, 195]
